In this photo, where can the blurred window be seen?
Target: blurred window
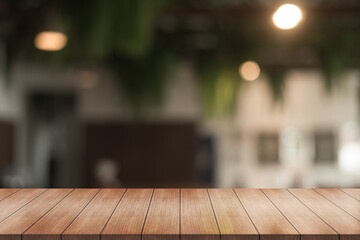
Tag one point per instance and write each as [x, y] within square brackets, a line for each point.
[268, 148]
[325, 147]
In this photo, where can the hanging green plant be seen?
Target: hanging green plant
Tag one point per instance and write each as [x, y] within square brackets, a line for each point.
[138, 43]
[121, 34]
[9, 47]
[144, 80]
[219, 83]
[276, 82]
[99, 29]
[334, 57]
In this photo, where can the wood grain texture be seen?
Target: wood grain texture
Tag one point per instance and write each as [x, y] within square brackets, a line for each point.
[16, 201]
[13, 226]
[354, 192]
[197, 216]
[91, 221]
[269, 222]
[178, 214]
[54, 223]
[342, 222]
[342, 200]
[163, 219]
[310, 226]
[128, 219]
[233, 221]
[4, 193]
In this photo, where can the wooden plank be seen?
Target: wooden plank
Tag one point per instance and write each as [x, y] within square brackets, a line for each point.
[54, 223]
[342, 200]
[165, 214]
[343, 223]
[13, 226]
[16, 201]
[354, 192]
[233, 221]
[269, 222]
[128, 219]
[4, 193]
[310, 226]
[89, 224]
[197, 216]
[163, 219]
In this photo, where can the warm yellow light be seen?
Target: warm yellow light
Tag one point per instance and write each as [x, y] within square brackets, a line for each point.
[50, 41]
[287, 16]
[249, 71]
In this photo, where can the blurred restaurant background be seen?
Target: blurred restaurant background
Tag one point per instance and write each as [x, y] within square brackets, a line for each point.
[180, 93]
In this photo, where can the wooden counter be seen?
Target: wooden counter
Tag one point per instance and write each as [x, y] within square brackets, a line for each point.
[174, 214]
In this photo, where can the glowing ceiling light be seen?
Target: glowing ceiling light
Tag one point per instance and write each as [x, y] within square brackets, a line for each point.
[287, 16]
[50, 41]
[249, 70]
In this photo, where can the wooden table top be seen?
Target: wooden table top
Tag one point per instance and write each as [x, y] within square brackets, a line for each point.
[174, 214]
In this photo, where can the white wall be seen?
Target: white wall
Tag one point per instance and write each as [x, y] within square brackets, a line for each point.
[306, 107]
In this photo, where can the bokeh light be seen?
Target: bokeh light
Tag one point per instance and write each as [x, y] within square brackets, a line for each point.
[249, 71]
[287, 16]
[50, 41]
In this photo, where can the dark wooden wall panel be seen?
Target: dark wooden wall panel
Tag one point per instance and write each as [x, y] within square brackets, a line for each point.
[147, 154]
[7, 133]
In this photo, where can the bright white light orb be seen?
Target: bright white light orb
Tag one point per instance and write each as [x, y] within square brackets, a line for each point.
[287, 16]
[50, 41]
[249, 71]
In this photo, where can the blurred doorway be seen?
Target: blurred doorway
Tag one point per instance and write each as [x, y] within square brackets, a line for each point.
[52, 130]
